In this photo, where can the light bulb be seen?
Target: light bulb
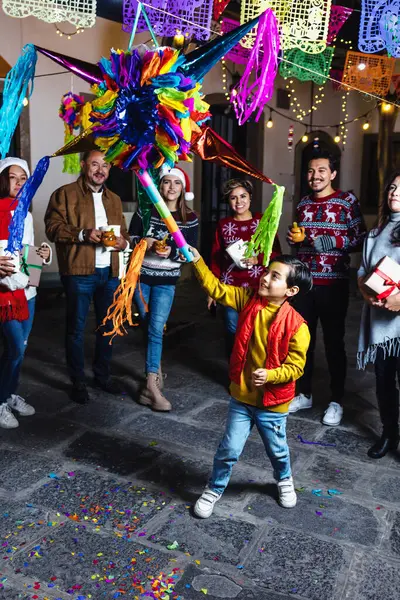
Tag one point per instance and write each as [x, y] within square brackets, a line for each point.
[386, 107]
[361, 66]
[270, 123]
[25, 101]
[336, 139]
[365, 125]
[304, 138]
[179, 40]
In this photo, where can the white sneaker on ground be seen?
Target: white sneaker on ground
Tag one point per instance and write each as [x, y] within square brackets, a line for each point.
[17, 403]
[7, 419]
[333, 414]
[205, 504]
[287, 495]
[300, 402]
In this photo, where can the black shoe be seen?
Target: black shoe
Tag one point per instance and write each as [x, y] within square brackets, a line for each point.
[110, 386]
[79, 393]
[383, 446]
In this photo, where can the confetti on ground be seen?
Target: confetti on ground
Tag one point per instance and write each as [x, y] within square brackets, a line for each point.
[119, 510]
[173, 546]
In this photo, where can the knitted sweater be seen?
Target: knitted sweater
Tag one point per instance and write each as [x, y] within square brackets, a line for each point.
[228, 231]
[338, 216]
[155, 269]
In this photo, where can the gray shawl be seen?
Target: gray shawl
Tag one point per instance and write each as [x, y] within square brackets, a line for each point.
[380, 328]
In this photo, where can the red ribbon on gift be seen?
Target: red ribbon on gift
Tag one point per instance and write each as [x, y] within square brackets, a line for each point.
[387, 281]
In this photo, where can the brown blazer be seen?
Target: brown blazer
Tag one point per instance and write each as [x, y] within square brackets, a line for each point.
[71, 209]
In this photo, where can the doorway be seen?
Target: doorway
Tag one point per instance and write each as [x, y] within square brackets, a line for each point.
[213, 207]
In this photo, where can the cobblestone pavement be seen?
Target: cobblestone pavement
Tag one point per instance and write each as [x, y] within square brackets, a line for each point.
[95, 501]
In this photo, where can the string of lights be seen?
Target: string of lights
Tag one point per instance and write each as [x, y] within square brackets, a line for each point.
[343, 84]
[62, 33]
[364, 116]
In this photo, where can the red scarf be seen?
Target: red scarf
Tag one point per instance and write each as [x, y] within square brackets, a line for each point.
[13, 305]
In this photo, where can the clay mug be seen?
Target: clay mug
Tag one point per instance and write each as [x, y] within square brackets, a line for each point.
[109, 235]
[161, 245]
[298, 233]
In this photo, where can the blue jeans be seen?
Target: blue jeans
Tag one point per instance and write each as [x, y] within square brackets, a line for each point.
[159, 299]
[241, 419]
[80, 290]
[231, 318]
[15, 335]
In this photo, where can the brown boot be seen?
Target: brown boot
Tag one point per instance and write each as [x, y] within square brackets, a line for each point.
[152, 396]
[162, 376]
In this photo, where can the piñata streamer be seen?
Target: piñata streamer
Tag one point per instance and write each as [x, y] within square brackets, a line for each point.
[262, 240]
[24, 198]
[254, 91]
[120, 310]
[15, 90]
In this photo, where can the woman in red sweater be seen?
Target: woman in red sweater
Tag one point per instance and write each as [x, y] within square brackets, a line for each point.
[240, 226]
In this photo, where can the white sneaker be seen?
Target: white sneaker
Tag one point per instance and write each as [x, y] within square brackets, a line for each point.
[287, 495]
[205, 504]
[7, 419]
[333, 414]
[300, 402]
[17, 403]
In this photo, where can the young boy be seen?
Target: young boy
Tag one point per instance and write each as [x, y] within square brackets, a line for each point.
[268, 356]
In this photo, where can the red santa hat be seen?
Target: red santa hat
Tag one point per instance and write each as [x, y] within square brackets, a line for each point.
[183, 178]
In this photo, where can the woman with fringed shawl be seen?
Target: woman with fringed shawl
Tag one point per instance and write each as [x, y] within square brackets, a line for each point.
[379, 340]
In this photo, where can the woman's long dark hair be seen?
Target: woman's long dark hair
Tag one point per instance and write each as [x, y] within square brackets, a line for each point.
[384, 212]
[182, 207]
[5, 183]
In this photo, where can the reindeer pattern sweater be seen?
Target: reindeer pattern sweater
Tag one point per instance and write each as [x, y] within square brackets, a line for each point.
[338, 216]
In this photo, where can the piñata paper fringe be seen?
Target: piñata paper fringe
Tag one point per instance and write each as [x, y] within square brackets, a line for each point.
[15, 90]
[71, 162]
[256, 85]
[24, 199]
[263, 238]
[85, 121]
[120, 310]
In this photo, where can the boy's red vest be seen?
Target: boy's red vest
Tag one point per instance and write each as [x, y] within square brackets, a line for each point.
[286, 323]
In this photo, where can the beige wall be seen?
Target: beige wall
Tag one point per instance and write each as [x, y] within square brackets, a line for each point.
[47, 129]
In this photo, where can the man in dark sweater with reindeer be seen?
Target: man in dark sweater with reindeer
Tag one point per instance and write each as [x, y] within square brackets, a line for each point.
[333, 227]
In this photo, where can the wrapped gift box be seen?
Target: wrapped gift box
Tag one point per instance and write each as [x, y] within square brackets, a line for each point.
[31, 264]
[236, 251]
[14, 258]
[385, 278]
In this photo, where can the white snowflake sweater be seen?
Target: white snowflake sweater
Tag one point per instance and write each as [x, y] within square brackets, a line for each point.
[156, 270]
[229, 230]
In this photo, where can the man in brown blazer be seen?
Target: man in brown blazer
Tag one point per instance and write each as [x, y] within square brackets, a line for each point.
[88, 271]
